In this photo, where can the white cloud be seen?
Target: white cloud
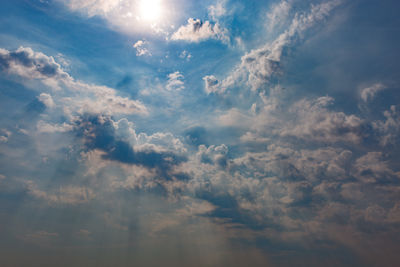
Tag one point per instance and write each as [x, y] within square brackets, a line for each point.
[46, 99]
[32, 65]
[279, 13]
[197, 31]
[372, 168]
[258, 66]
[185, 55]
[72, 95]
[368, 94]
[389, 129]
[211, 84]
[44, 127]
[175, 81]
[315, 122]
[140, 49]
[218, 10]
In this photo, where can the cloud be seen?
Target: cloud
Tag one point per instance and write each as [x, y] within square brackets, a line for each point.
[307, 119]
[175, 82]
[368, 93]
[160, 151]
[278, 14]
[389, 129]
[4, 135]
[259, 66]
[94, 7]
[122, 15]
[185, 55]
[32, 65]
[44, 127]
[213, 154]
[211, 84]
[316, 123]
[371, 168]
[218, 10]
[46, 99]
[71, 195]
[140, 49]
[196, 31]
[71, 95]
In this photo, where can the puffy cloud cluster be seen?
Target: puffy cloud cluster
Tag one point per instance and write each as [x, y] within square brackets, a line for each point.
[32, 65]
[141, 50]
[197, 31]
[389, 129]
[175, 82]
[296, 169]
[315, 122]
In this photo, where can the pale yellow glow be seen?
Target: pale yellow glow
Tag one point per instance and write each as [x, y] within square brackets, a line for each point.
[150, 10]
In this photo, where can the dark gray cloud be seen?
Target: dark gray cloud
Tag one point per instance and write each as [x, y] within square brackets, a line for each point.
[99, 133]
[25, 62]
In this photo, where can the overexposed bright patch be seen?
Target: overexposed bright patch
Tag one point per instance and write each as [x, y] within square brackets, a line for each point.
[150, 10]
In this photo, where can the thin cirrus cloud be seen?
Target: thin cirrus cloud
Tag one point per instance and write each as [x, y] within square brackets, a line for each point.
[260, 65]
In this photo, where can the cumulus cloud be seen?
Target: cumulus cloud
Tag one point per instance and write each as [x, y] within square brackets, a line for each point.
[121, 143]
[389, 129]
[213, 154]
[196, 31]
[74, 96]
[185, 55]
[141, 50]
[371, 168]
[46, 99]
[32, 65]
[315, 122]
[211, 84]
[175, 81]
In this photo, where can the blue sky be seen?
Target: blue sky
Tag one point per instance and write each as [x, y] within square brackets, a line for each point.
[211, 133]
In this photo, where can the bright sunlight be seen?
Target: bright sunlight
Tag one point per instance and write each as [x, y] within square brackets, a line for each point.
[150, 10]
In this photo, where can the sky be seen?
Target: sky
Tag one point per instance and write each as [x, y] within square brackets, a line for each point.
[199, 133]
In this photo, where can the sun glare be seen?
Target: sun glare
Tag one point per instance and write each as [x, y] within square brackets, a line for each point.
[150, 10]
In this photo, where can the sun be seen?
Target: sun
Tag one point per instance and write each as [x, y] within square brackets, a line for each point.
[150, 10]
